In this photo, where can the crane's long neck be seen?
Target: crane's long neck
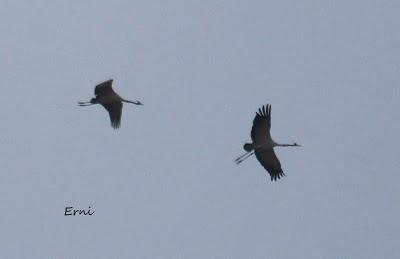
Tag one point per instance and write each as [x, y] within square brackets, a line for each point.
[286, 145]
[134, 102]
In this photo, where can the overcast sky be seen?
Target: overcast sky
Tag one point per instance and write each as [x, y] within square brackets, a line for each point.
[165, 184]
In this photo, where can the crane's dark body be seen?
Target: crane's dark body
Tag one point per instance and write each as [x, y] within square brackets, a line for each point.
[263, 145]
[110, 100]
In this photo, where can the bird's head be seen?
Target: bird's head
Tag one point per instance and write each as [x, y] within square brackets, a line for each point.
[296, 145]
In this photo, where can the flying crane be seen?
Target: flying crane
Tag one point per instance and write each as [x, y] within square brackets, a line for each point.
[110, 100]
[263, 145]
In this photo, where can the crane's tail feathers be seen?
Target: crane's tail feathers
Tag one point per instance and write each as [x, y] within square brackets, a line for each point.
[248, 147]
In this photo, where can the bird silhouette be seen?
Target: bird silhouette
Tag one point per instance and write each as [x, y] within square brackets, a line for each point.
[263, 145]
[110, 100]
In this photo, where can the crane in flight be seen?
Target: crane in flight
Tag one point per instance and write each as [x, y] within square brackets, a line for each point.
[110, 100]
[263, 145]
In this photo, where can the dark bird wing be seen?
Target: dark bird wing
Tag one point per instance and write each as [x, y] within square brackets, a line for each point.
[260, 131]
[115, 111]
[270, 162]
[104, 88]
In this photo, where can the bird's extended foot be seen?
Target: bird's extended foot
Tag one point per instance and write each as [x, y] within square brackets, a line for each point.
[84, 103]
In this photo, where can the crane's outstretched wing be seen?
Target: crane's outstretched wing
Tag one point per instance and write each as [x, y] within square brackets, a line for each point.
[260, 131]
[115, 111]
[270, 162]
[104, 88]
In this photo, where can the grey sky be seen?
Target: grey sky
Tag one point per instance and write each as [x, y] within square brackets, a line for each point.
[165, 184]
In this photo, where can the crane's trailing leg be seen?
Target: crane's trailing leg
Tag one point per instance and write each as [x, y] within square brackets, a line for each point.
[85, 103]
[244, 157]
[91, 102]
[237, 159]
[248, 147]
